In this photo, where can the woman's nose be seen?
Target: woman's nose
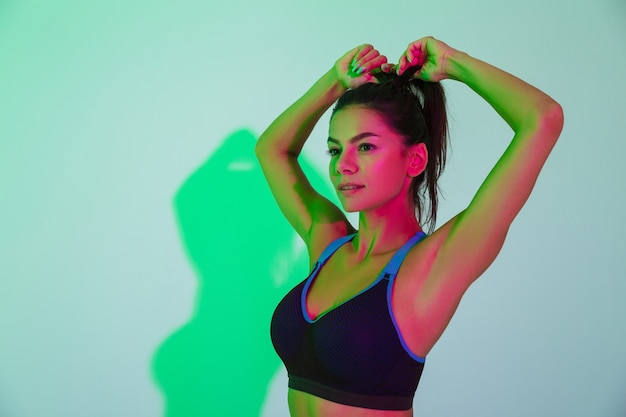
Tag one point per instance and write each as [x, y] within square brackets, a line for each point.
[346, 164]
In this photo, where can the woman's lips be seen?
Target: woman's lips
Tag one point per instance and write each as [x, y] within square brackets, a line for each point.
[349, 188]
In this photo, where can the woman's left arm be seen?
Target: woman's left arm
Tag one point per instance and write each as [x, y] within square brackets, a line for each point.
[469, 242]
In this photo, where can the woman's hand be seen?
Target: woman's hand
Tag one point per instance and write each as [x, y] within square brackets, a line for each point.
[356, 66]
[431, 54]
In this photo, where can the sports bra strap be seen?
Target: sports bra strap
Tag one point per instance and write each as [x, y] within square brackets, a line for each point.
[334, 245]
[394, 264]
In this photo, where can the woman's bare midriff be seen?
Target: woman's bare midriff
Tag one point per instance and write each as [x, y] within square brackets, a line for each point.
[302, 404]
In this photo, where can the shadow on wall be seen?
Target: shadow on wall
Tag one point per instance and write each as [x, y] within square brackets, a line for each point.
[221, 362]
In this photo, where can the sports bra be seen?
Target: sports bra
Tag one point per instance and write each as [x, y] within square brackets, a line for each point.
[354, 353]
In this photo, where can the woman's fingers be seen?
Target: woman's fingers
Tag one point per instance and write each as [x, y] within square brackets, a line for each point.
[367, 60]
[361, 63]
[361, 52]
[372, 63]
[403, 64]
[428, 53]
[417, 51]
[413, 55]
[354, 68]
[388, 68]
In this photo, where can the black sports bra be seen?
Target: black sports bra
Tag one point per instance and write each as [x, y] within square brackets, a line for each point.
[354, 353]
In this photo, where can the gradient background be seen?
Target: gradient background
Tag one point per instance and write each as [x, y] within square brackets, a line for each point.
[141, 254]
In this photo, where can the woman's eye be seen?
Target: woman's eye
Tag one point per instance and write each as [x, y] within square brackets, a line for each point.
[333, 152]
[366, 147]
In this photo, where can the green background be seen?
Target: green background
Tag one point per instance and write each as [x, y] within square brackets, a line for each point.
[141, 255]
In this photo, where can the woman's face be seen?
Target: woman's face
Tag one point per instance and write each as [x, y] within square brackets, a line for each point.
[369, 166]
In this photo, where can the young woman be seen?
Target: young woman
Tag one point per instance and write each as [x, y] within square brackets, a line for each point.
[354, 334]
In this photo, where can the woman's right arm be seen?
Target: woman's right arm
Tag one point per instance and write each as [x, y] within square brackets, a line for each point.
[279, 146]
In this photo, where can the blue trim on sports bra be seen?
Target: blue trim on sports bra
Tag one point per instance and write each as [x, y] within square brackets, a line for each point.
[393, 265]
[334, 245]
[305, 290]
[391, 270]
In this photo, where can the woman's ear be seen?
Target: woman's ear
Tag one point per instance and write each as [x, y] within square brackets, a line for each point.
[417, 159]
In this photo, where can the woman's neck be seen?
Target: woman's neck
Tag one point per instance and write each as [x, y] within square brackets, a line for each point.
[384, 229]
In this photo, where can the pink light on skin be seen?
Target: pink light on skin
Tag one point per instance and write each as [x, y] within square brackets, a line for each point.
[370, 168]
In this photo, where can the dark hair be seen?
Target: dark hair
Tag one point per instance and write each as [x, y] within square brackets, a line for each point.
[416, 110]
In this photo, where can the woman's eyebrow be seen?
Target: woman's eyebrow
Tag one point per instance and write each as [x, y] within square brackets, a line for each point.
[355, 138]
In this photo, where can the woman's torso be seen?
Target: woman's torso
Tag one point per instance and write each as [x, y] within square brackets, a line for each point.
[338, 282]
[302, 404]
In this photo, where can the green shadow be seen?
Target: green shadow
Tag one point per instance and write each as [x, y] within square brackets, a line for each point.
[220, 362]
